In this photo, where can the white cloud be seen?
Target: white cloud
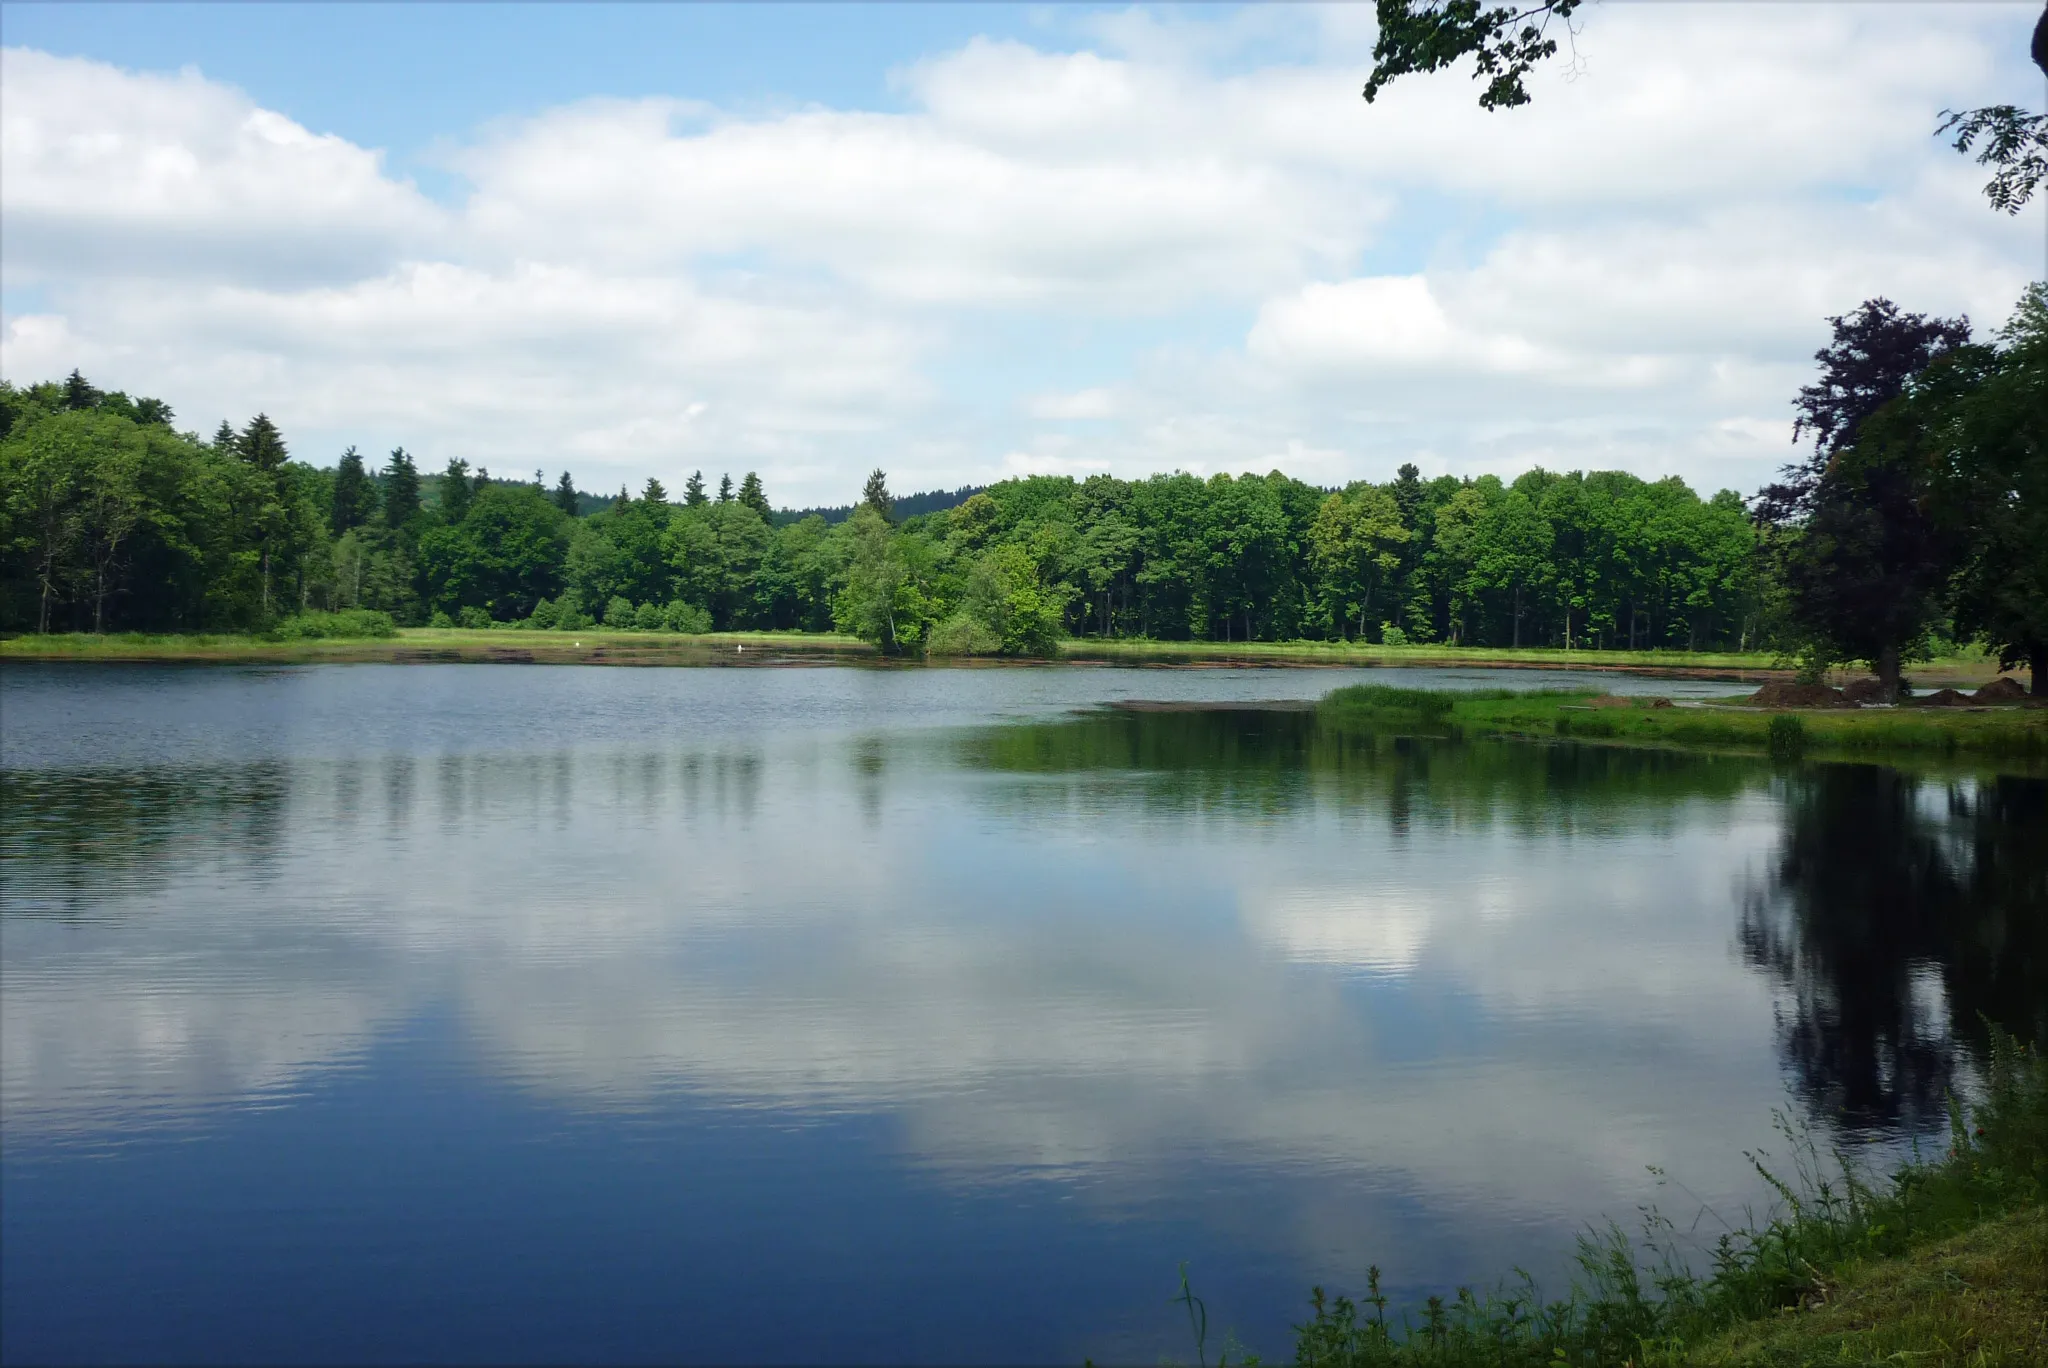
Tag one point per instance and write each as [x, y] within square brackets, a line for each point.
[1633, 270]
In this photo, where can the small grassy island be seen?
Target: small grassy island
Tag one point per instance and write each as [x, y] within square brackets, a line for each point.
[2005, 724]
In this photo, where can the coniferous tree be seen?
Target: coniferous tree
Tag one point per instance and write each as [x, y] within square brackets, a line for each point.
[654, 494]
[149, 411]
[78, 394]
[752, 495]
[693, 490]
[456, 491]
[262, 445]
[401, 490]
[875, 494]
[725, 489]
[565, 495]
[224, 439]
[354, 496]
[623, 502]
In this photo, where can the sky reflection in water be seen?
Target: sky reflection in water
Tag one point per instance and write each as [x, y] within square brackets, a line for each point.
[604, 1014]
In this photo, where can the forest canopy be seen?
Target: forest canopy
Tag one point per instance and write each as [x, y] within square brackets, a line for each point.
[1914, 521]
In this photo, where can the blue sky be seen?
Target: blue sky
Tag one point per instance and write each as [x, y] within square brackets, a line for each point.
[969, 241]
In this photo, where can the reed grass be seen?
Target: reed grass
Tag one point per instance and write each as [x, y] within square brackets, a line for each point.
[1843, 1267]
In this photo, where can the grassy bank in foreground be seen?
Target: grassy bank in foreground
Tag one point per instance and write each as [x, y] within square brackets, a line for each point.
[2008, 732]
[1941, 1263]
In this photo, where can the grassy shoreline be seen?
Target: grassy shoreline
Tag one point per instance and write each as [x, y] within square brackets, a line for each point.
[1943, 1262]
[597, 646]
[2014, 733]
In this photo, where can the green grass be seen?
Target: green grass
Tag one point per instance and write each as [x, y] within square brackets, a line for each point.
[2005, 732]
[1967, 668]
[1942, 1262]
[414, 644]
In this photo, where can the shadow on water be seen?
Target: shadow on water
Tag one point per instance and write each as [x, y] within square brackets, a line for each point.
[1901, 913]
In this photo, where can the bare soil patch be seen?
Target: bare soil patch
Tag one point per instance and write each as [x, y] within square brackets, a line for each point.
[1787, 694]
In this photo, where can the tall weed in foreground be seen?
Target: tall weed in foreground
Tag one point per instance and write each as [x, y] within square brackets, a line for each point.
[1643, 1300]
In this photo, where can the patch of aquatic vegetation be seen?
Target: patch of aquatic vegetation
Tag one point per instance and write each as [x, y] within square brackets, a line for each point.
[2007, 733]
[1942, 1263]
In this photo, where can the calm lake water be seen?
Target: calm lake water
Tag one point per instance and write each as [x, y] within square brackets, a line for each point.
[360, 1013]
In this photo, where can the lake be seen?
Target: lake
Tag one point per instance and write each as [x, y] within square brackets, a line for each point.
[396, 1013]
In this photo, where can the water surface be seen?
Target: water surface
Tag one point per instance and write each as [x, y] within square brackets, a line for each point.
[399, 1013]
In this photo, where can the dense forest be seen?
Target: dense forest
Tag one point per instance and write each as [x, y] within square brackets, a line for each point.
[1911, 520]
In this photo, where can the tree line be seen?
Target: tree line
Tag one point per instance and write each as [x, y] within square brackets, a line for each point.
[1914, 522]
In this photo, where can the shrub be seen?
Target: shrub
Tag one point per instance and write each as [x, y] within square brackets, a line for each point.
[648, 617]
[687, 618]
[1390, 635]
[473, 617]
[544, 614]
[963, 635]
[618, 614]
[1785, 737]
[346, 624]
[440, 619]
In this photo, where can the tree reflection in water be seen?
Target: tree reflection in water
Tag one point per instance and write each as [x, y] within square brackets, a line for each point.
[1902, 913]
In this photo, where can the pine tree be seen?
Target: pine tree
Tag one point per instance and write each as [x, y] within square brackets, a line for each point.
[224, 440]
[456, 491]
[565, 495]
[401, 490]
[78, 394]
[355, 498]
[752, 496]
[654, 494]
[623, 502]
[876, 494]
[149, 411]
[725, 489]
[693, 490]
[262, 445]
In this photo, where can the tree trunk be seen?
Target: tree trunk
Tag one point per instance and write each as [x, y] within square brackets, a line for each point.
[1887, 663]
[2037, 656]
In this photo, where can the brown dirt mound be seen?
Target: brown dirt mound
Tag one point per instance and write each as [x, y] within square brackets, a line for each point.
[1942, 698]
[2003, 689]
[1865, 690]
[1784, 694]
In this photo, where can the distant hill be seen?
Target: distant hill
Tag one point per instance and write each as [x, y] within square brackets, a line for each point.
[907, 506]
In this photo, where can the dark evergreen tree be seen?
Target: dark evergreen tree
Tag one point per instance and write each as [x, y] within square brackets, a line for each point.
[752, 495]
[261, 445]
[456, 492]
[653, 495]
[153, 411]
[725, 489]
[355, 498]
[565, 495]
[623, 502]
[224, 439]
[78, 394]
[693, 490]
[401, 490]
[875, 494]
